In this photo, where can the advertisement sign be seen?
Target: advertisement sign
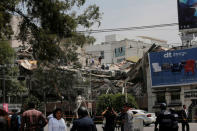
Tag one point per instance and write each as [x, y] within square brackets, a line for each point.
[5, 107]
[173, 68]
[187, 14]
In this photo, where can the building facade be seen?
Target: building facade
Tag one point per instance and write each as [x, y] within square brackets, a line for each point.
[182, 90]
[113, 51]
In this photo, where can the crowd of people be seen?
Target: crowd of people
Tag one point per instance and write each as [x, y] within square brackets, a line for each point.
[34, 120]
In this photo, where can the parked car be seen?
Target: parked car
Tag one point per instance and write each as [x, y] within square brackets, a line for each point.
[148, 118]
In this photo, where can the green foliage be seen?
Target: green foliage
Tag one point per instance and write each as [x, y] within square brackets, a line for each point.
[33, 99]
[116, 101]
[50, 26]
[13, 87]
[46, 23]
[5, 27]
[7, 54]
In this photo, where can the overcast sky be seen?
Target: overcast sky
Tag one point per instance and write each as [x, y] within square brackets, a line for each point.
[131, 13]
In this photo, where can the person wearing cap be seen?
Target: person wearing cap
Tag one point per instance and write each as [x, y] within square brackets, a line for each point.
[84, 122]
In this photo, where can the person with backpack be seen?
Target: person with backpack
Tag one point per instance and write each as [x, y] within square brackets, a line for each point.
[165, 119]
[175, 119]
[15, 121]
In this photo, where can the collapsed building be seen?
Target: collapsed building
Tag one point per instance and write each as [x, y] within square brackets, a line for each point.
[89, 82]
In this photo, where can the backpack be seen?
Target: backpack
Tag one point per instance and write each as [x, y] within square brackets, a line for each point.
[166, 119]
[14, 121]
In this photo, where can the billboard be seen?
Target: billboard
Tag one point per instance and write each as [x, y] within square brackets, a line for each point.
[173, 68]
[187, 14]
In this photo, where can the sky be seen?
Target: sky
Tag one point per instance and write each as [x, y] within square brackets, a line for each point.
[132, 13]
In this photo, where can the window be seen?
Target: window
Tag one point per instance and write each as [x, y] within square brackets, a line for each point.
[102, 54]
[175, 96]
[161, 97]
[119, 51]
[190, 94]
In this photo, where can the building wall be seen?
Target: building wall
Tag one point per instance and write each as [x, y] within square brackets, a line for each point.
[130, 48]
[136, 48]
[95, 50]
[118, 55]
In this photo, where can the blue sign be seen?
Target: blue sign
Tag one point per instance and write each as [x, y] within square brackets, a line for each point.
[171, 68]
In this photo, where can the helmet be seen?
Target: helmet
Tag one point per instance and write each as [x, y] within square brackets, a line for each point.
[163, 106]
[82, 111]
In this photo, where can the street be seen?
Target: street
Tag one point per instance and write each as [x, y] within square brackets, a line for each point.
[149, 128]
[192, 127]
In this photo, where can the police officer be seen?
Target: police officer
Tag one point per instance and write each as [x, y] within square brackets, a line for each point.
[83, 123]
[164, 119]
[175, 118]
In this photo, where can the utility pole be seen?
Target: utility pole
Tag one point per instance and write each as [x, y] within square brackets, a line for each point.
[126, 97]
[90, 93]
[45, 109]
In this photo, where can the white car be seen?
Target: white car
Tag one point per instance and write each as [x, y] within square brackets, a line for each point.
[148, 118]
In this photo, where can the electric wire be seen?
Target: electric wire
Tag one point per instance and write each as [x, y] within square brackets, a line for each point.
[128, 28]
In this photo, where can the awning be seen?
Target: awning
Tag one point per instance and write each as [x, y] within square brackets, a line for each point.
[133, 59]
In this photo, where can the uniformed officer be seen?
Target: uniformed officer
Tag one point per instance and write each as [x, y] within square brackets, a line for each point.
[175, 118]
[83, 123]
[164, 119]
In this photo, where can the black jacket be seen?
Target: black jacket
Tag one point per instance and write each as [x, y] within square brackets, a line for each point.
[83, 124]
[184, 116]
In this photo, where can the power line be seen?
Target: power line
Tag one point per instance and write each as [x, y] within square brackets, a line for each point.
[122, 29]
[128, 28]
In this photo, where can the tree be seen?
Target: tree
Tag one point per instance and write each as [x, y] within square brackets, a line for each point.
[116, 101]
[46, 23]
[9, 71]
[50, 27]
[6, 53]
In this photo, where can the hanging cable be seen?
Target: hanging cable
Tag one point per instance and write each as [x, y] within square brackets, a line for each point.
[128, 28]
